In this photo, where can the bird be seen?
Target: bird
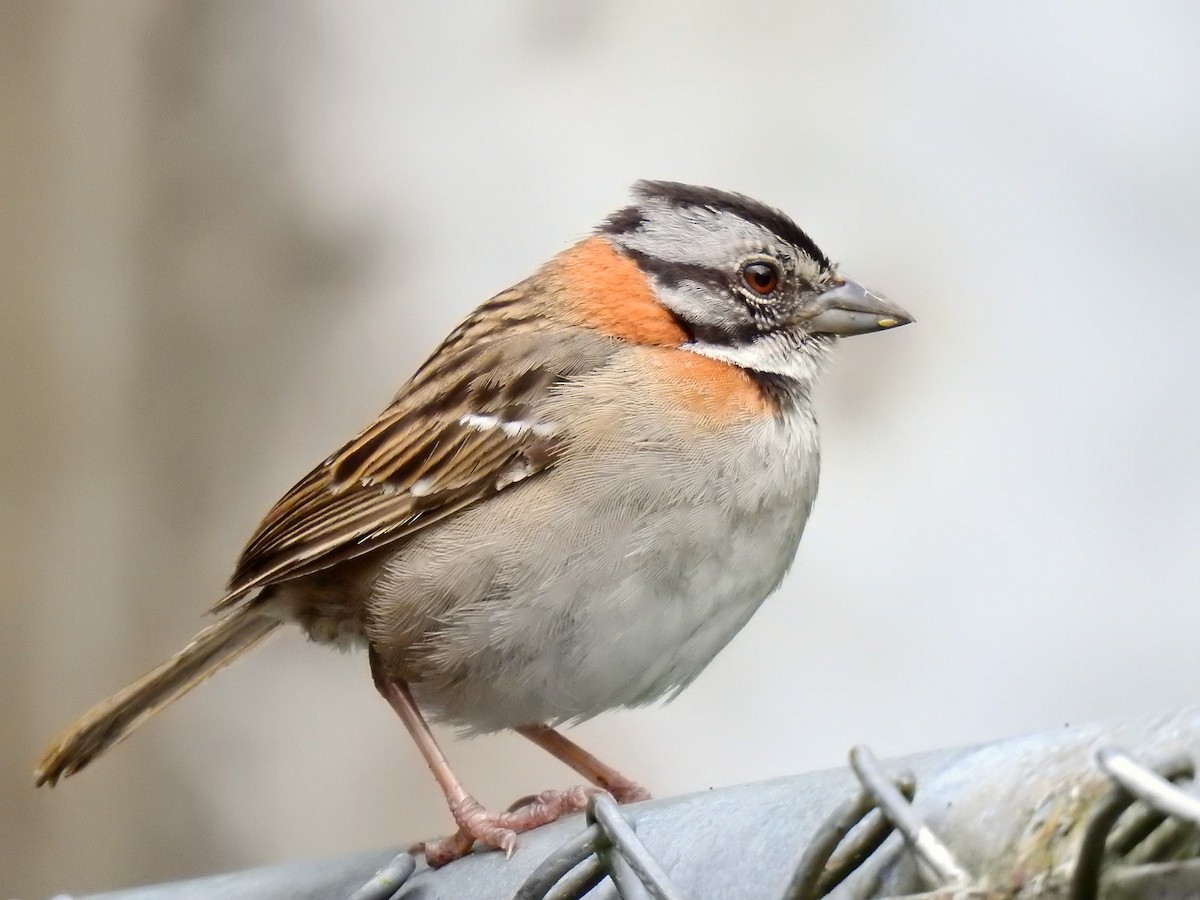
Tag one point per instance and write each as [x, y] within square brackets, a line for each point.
[572, 506]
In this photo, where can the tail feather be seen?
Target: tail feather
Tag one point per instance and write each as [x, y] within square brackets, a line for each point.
[119, 715]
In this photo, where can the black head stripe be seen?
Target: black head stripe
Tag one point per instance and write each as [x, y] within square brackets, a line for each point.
[685, 195]
[672, 274]
[623, 221]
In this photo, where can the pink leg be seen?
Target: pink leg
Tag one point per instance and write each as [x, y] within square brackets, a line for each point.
[474, 822]
[567, 751]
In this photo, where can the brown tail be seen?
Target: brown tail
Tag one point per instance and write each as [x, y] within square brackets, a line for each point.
[119, 715]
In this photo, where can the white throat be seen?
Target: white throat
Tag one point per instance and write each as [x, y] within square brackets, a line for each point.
[799, 359]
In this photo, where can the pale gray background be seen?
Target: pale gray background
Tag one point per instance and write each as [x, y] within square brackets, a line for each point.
[231, 230]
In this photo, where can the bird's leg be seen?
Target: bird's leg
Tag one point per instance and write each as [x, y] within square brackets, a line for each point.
[567, 751]
[475, 823]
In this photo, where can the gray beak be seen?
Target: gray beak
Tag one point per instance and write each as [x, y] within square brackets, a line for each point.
[850, 309]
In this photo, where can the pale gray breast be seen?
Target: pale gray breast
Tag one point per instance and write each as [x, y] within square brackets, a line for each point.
[608, 581]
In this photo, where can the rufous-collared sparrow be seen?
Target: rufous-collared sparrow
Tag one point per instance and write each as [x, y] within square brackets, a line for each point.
[573, 505]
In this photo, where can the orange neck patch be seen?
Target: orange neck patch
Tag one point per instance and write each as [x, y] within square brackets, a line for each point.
[606, 290]
[717, 392]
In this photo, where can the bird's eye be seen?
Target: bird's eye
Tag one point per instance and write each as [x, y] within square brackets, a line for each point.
[761, 277]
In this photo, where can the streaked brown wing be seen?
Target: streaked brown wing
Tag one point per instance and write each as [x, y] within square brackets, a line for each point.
[326, 518]
[461, 430]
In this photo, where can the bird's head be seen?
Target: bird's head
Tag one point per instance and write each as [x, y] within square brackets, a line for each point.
[741, 280]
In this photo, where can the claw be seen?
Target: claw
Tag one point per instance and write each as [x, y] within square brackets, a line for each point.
[500, 830]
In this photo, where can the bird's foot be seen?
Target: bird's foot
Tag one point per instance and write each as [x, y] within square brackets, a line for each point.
[500, 830]
[626, 791]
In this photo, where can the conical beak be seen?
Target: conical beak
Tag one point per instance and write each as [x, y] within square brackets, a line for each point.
[850, 309]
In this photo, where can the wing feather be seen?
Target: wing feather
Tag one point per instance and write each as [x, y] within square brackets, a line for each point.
[443, 444]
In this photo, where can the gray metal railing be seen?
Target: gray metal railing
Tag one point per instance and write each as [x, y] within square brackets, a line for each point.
[1107, 810]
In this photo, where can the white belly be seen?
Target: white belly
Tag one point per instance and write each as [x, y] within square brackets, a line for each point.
[611, 597]
[666, 631]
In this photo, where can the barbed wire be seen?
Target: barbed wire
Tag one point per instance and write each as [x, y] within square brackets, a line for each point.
[609, 846]
[1040, 817]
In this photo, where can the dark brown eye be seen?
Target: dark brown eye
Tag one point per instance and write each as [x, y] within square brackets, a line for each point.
[761, 277]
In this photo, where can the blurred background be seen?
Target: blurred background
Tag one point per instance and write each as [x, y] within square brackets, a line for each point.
[229, 231]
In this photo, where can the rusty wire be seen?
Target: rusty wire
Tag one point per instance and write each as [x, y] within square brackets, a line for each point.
[1150, 787]
[1133, 781]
